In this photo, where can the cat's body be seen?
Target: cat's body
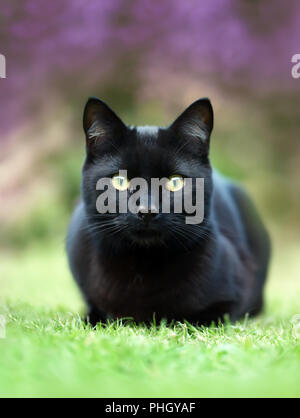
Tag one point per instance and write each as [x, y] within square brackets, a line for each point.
[176, 271]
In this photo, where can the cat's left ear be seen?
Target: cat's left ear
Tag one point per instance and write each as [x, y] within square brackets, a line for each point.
[196, 121]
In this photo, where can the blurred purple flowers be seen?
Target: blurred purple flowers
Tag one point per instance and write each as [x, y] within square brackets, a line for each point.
[77, 44]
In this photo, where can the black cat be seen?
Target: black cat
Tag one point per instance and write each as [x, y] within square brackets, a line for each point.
[148, 264]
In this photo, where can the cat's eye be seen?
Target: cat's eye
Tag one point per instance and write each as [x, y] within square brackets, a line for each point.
[120, 183]
[175, 183]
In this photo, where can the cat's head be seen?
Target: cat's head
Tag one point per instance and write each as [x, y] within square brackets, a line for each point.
[120, 154]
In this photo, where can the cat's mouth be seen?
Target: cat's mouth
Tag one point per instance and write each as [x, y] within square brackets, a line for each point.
[145, 235]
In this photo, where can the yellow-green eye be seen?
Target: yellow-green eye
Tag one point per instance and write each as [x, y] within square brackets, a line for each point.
[120, 183]
[175, 183]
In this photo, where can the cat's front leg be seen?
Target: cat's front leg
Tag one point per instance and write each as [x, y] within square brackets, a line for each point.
[94, 316]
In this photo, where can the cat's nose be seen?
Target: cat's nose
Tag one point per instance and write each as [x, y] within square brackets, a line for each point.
[146, 216]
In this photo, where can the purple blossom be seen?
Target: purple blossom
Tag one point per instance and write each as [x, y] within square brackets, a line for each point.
[82, 42]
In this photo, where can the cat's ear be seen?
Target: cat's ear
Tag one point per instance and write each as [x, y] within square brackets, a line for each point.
[100, 122]
[196, 121]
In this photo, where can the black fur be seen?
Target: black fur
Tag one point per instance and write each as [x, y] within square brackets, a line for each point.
[126, 268]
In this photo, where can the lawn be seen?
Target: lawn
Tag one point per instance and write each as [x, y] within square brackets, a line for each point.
[48, 351]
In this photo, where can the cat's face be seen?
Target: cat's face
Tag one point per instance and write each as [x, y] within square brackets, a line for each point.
[122, 154]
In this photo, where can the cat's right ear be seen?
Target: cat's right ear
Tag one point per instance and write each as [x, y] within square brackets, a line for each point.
[100, 122]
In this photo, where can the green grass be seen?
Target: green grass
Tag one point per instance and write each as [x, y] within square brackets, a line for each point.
[48, 351]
